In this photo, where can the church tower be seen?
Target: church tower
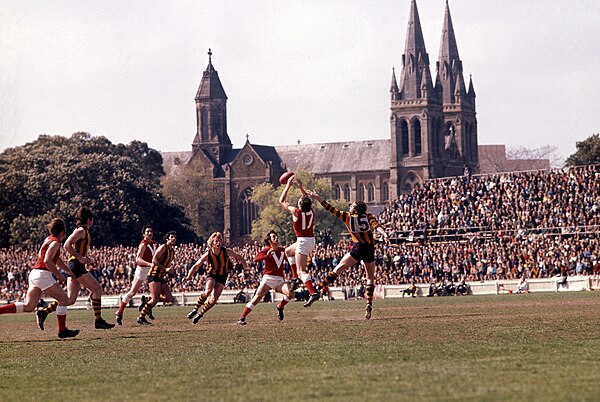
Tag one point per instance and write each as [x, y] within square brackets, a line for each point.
[416, 115]
[211, 116]
[460, 122]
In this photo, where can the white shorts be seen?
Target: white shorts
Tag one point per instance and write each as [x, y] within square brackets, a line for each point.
[272, 281]
[305, 245]
[41, 278]
[141, 273]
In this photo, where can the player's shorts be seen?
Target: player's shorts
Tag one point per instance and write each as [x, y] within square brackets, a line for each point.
[218, 278]
[77, 268]
[272, 281]
[305, 245]
[363, 252]
[156, 279]
[141, 273]
[41, 278]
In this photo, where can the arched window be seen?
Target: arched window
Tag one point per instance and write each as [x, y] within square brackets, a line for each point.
[404, 137]
[204, 124]
[346, 192]
[370, 192]
[360, 192]
[417, 136]
[385, 191]
[249, 212]
[337, 191]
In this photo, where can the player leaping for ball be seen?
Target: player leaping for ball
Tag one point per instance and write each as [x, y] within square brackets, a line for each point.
[360, 224]
[303, 219]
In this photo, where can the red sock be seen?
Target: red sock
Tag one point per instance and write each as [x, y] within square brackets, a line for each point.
[121, 308]
[246, 312]
[310, 287]
[62, 322]
[8, 309]
[294, 270]
[282, 303]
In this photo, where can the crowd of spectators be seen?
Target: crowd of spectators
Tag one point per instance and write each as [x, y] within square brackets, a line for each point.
[478, 228]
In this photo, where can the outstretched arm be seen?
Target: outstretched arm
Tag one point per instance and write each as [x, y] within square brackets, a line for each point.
[284, 193]
[238, 257]
[195, 267]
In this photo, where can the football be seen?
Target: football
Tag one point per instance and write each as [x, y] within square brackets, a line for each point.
[283, 179]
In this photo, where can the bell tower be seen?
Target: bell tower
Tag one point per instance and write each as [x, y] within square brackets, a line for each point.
[211, 115]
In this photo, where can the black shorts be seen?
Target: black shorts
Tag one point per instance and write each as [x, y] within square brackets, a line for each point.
[156, 279]
[218, 278]
[363, 252]
[77, 268]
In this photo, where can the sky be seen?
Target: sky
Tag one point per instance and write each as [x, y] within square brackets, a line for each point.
[310, 70]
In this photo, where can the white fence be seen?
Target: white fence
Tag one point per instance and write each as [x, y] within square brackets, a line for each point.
[554, 284]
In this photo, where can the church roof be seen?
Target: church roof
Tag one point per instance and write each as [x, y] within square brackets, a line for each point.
[337, 157]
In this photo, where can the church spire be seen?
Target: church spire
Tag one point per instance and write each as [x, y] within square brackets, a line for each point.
[210, 86]
[394, 87]
[450, 65]
[415, 57]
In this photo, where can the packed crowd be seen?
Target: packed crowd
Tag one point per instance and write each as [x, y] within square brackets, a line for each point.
[537, 224]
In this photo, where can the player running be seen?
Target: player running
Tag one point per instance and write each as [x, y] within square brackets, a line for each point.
[41, 280]
[273, 276]
[360, 224]
[160, 290]
[219, 263]
[303, 220]
[143, 261]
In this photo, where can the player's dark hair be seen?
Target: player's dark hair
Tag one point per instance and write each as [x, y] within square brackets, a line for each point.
[83, 216]
[172, 232]
[56, 227]
[267, 238]
[144, 229]
[361, 207]
[305, 203]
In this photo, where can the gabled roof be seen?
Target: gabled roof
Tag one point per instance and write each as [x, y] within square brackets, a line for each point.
[337, 157]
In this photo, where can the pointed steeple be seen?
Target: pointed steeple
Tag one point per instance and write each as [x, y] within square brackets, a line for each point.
[471, 92]
[394, 87]
[415, 57]
[210, 86]
[450, 65]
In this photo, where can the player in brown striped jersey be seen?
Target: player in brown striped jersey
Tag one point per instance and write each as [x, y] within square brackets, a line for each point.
[219, 263]
[158, 284]
[360, 224]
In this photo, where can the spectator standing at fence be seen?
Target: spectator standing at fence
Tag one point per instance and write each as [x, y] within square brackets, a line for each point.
[219, 264]
[273, 257]
[143, 262]
[303, 221]
[157, 282]
[42, 280]
[360, 224]
[77, 246]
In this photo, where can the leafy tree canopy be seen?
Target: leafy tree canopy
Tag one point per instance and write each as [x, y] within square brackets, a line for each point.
[587, 153]
[53, 176]
[274, 217]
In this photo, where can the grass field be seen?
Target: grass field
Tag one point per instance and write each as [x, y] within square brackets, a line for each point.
[511, 347]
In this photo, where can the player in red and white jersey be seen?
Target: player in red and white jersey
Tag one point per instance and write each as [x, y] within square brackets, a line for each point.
[42, 280]
[273, 257]
[143, 262]
[303, 218]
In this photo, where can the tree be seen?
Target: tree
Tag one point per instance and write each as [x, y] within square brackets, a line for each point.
[531, 157]
[587, 153]
[201, 198]
[273, 216]
[53, 176]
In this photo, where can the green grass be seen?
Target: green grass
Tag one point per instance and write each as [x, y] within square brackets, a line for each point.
[509, 347]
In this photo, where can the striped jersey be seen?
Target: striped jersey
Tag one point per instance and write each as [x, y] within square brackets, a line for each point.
[82, 246]
[218, 264]
[165, 260]
[360, 227]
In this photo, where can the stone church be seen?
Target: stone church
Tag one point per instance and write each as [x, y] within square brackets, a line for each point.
[433, 134]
